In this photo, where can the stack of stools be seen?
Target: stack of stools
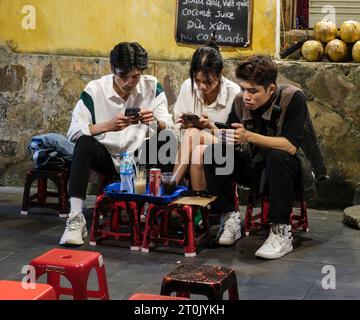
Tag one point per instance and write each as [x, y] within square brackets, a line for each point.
[74, 265]
[260, 219]
[39, 199]
[210, 281]
[16, 290]
[111, 228]
[158, 223]
[148, 296]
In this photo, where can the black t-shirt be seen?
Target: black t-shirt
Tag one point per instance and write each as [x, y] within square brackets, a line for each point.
[294, 120]
[293, 126]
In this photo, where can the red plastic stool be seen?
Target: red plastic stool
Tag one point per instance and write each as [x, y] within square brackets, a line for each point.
[39, 199]
[111, 228]
[158, 222]
[210, 281]
[75, 265]
[148, 296]
[13, 290]
[260, 220]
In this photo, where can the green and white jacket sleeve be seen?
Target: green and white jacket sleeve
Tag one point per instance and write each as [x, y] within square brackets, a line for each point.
[83, 115]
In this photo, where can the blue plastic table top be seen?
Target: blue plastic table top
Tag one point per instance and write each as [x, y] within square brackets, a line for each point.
[112, 191]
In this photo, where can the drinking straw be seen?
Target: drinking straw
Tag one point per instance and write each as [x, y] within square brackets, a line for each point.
[176, 172]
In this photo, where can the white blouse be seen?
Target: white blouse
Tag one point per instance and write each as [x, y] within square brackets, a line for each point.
[193, 101]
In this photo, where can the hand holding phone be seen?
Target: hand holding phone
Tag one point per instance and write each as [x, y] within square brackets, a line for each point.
[132, 112]
[118, 122]
[191, 120]
[190, 117]
[146, 116]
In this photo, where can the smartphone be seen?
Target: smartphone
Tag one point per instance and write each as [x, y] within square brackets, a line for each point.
[193, 119]
[190, 117]
[221, 125]
[131, 112]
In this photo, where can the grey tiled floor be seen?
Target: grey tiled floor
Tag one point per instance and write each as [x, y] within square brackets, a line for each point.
[295, 276]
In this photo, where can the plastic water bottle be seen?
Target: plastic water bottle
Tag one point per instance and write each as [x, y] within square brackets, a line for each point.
[126, 174]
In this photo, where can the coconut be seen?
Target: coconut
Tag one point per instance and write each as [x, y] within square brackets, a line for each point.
[325, 31]
[337, 50]
[350, 31]
[312, 50]
[356, 51]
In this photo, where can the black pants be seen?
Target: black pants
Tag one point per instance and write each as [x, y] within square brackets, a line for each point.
[89, 154]
[281, 172]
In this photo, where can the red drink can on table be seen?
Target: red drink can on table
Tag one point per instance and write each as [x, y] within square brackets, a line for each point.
[155, 182]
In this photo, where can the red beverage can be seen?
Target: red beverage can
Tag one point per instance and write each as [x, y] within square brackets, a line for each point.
[155, 182]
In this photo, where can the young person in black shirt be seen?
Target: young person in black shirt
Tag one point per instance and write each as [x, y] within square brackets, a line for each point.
[268, 121]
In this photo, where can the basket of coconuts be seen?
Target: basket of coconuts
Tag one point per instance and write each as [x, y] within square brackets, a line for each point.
[335, 45]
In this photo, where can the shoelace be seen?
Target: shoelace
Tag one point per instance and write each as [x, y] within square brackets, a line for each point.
[74, 224]
[228, 226]
[273, 240]
[280, 232]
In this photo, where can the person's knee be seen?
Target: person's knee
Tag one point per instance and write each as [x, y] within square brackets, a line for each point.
[192, 133]
[85, 143]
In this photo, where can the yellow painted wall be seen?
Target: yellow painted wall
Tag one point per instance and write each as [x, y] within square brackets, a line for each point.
[93, 27]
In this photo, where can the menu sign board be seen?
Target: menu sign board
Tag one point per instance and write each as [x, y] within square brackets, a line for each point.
[230, 20]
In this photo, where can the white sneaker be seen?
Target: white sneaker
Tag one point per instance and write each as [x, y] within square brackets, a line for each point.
[75, 230]
[230, 231]
[278, 244]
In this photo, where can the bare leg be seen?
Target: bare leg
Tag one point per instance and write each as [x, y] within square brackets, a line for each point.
[183, 156]
[197, 172]
[191, 140]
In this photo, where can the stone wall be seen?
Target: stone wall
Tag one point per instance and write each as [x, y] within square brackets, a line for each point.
[333, 92]
[38, 93]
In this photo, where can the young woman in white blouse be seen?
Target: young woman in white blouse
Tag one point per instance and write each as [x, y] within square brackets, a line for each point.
[209, 95]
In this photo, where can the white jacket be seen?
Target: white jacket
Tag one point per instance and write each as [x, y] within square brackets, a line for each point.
[99, 103]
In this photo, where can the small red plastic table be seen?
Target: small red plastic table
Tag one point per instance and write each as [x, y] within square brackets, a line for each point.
[115, 227]
[158, 222]
[16, 290]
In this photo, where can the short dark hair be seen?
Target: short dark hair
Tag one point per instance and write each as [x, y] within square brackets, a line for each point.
[261, 70]
[127, 56]
[208, 60]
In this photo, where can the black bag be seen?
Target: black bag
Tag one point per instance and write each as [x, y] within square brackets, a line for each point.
[313, 151]
[307, 175]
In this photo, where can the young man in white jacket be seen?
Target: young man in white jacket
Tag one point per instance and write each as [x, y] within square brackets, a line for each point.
[102, 131]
